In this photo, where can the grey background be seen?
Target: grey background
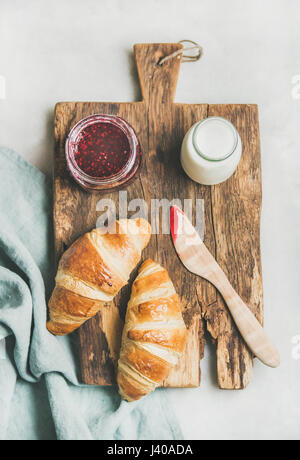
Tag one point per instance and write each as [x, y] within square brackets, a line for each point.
[81, 50]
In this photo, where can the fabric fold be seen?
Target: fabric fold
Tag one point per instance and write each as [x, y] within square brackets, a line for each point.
[39, 377]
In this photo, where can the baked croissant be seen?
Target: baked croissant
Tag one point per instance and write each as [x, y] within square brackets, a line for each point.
[154, 336]
[92, 272]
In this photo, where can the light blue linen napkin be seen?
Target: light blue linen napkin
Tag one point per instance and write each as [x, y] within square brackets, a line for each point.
[40, 394]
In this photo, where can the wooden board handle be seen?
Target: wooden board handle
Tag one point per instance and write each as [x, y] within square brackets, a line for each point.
[250, 329]
[158, 82]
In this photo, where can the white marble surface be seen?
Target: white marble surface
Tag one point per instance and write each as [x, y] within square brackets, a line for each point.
[81, 50]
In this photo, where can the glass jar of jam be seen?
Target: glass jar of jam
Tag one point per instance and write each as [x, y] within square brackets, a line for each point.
[103, 152]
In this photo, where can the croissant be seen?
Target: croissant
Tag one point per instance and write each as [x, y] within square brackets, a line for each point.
[92, 272]
[154, 336]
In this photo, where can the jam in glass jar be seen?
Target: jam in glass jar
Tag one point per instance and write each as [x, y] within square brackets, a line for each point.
[103, 152]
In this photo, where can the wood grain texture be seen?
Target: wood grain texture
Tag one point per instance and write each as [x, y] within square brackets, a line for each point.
[232, 212]
[236, 208]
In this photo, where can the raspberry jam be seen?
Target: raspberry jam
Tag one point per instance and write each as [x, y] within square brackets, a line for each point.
[102, 152]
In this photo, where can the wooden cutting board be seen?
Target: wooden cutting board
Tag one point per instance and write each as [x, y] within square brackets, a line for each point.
[232, 221]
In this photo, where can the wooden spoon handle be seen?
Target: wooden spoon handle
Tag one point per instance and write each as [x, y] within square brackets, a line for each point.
[249, 327]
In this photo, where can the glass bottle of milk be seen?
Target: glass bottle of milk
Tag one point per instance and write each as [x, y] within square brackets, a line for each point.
[211, 151]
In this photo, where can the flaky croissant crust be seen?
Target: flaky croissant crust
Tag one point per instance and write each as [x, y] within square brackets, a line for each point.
[92, 272]
[154, 335]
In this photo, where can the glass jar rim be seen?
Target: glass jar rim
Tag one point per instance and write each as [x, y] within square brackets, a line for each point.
[102, 118]
[233, 129]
